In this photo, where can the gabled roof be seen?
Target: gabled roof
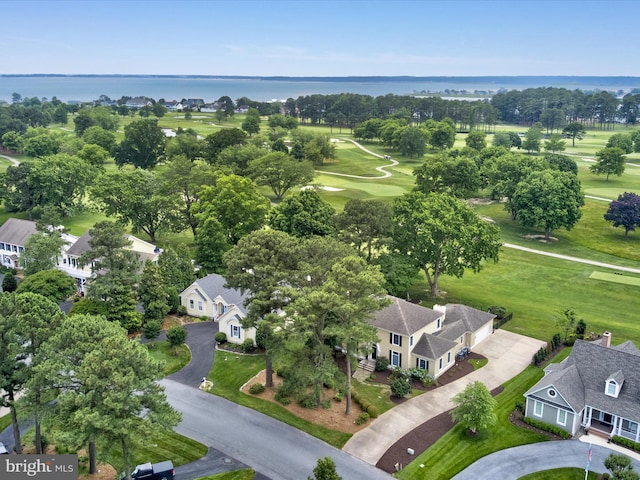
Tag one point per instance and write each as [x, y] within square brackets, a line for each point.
[628, 347]
[214, 285]
[584, 373]
[81, 245]
[432, 347]
[472, 317]
[404, 317]
[16, 231]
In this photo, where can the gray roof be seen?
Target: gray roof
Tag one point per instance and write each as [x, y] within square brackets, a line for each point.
[80, 246]
[582, 377]
[432, 347]
[628, 347]
[214, 285]
[472, 318]
[16, 231]
[452, 330]
[404, 317]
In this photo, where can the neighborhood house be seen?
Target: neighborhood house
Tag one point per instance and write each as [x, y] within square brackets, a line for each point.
[412, 336]
[208, 297]
[597, 388]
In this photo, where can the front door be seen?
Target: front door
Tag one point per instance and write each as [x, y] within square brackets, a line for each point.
[374, 352]
[607, 418]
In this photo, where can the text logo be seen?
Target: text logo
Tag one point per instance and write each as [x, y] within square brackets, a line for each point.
[46, 467]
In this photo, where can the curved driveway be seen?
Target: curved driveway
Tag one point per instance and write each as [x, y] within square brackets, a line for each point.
[513, 463]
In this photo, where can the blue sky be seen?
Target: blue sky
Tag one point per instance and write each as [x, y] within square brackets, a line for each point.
[320, 38]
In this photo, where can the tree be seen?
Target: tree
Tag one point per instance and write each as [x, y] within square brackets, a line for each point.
[108, 386]
[574, 130]
[152, 293]
[114, 270]
[41, 252]
[176, 336]
[9, 283]
[97, 135]
[609, 160]
[325, 470]
[53, 284]
[554, 143]
[251, 123]
[623, 141]
[216, 142]
[176, 268]
[260, 264]
[400, 272]
[366, 224]
[143, 144]
[236, 203]
[550, 200]
[561, 162]
[138, 197]
[567, 321]
[442, 173]
[412, 142]
[625, 212]
[502, 139]
[94, 155]
[621, 467]
[442, 235]
[476, 140]
[474, 407]
[280, 172]
[442, 134]
[532, 139]
[303, 214]
[60, 115]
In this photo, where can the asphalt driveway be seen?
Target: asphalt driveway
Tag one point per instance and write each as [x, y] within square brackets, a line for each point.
[202, 345]
[508, 354]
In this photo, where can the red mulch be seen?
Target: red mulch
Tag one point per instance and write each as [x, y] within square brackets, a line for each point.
[419, 439]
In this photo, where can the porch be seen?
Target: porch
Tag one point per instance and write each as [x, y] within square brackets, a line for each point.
[607, 424]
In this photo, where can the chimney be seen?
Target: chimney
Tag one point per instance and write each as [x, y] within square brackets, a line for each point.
[606, 339]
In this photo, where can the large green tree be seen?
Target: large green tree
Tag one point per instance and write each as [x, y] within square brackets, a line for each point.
[474, 407]
[280, 172]
[365, 224]
[41, 252]
[138, 197]
[303, 214]
[153, 293]
[412, 141]
[443, 173]
[53, 284]
[442, 235]
[549, 199]
[143, 144]
[108, 385]
[574, 130]
[609, 161]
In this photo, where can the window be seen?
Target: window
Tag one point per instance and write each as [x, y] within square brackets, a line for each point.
[440, 364]
[191, 304]
[462, 339]
[448, 357]
[537, 408]
[199, 306]
[562, 417]
[552, 393]
[411, 341]
[395, 339]
[235, 331]
[396, 359]
[438, 323]
[612, 388]
[422, 363]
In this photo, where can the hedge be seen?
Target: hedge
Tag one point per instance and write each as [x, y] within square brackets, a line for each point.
[547, 427]
[625, 442]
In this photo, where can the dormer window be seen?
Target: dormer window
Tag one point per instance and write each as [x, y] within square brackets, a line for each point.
[438, 323]
[612, 388]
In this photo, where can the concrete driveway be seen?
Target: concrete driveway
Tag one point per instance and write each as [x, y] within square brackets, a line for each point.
[508, 354]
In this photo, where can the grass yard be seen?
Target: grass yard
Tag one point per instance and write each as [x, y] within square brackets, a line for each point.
[456, 450]
[230, 372]
[560, 474]
[173, 358]
[374, 393]
[243, 474]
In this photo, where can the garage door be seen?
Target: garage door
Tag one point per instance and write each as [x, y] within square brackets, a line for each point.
[483, 333]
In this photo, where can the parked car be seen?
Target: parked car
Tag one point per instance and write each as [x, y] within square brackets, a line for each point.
[3, 449]
[157, 471]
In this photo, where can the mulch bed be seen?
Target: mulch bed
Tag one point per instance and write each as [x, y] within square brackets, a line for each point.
[419, 439]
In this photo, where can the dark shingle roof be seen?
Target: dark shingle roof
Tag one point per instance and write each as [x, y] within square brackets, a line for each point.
[80, 246]
[432, 347]
[585, 372]
[214, 285]
[404, 317]
[472, 318]
[16, 231]
[628, 347]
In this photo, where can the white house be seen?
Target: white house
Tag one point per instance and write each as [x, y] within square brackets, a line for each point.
[208, 297]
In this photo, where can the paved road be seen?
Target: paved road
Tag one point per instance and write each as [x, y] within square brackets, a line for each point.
[508, 354]
[513, 463]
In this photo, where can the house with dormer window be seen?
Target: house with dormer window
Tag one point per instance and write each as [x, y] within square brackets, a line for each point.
[596, 388]
[412, 336]
[208, 297]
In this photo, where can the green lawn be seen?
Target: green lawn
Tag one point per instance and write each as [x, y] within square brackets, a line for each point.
[560, 474]
[244, 474]
[173, 358]
[230, 372]
[456, 450]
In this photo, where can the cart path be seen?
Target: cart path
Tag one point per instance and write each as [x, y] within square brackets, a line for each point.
[380, 169]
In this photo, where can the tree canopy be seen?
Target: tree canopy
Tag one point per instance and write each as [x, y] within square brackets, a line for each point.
[625, 212]
[474, 407]
[280, 172]
[609, 161]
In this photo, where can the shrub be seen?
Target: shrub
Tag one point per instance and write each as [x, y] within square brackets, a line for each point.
[498, 310]
[547, 427]
[581, 327]
[625, 442]
[338, 397]
[9, 283]
[519, 406]
[428, 380]
[540, 355]
[220, 337]
[152, 329]
[176, 336]
[364, 405]
[362, 418]
[283, 395]
[556, 341]
[281, 372]
[355, 396]
[382, 363]
[570, 341]
[372, 377]
[181, 310]
[256, 388]
[204, 318]
[400, 387]
[326, 403]
[248, 346]
[308, 401]
[373, 411]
